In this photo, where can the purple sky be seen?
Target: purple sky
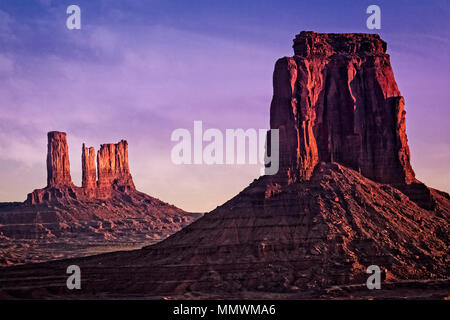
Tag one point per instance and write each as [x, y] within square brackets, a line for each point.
[137, 70]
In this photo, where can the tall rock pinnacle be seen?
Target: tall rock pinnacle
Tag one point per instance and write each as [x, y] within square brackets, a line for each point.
[58, 166]
[89, 174]
[336, 100]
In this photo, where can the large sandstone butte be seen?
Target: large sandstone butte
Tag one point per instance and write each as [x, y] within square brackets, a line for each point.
[63, 220]
[337, 100]
[345, 198]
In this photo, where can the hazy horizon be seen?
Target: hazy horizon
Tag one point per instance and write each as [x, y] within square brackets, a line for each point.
[141, 69]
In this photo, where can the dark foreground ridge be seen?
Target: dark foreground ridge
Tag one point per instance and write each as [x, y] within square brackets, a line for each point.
[345, 198]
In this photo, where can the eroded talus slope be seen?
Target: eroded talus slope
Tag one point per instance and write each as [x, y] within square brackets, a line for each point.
[310, 236]
[35, 233]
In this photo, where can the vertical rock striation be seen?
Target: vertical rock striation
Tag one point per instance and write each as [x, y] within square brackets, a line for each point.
[336, 100]
[113, 168]
[59, 181]
[58, 166]
[89, 174]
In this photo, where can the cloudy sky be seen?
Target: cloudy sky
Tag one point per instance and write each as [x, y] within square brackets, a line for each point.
[137, 70]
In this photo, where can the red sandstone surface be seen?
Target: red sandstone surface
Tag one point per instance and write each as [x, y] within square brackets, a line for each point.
[63, 220]
[345, 198]
[337, 100]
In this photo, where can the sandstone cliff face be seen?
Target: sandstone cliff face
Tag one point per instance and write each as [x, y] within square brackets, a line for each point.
[113, 168]
[58, 166]
[63, 220]
[59, 181]
[336, 100]
[89, 173]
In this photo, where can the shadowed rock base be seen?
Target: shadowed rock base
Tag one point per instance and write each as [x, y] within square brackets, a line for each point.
[313, 239]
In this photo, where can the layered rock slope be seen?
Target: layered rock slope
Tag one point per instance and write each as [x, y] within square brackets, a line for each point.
[345, 198]
[104, 214]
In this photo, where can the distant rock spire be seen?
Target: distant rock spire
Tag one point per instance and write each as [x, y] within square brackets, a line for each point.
[112, 170]
[58, 165]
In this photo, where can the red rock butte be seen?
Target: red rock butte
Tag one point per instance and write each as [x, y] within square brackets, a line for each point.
[112, 170]
[345, 198]
[106, 213]
[336, 100]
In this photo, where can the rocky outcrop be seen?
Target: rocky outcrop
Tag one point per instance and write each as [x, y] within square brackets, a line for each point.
[89, 174]
[58, 165]
[63, 220]
[113, 168]
[59, 181]
[313, 229]
[336, 100]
